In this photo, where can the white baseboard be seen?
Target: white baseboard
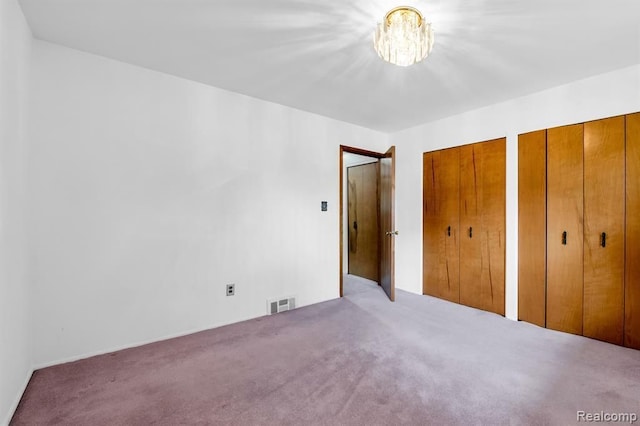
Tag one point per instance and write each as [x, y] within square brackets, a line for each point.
[46, 364]
[16, 401]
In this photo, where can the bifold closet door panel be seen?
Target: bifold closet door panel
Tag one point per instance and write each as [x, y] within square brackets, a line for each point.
[604, 207]
[532, 227]
[632, 273]
[470, 221]
[492, 229]
[482, 225]
[565, 228]
[440, 228]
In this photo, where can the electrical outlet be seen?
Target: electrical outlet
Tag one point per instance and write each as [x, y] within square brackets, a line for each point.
[231, 289]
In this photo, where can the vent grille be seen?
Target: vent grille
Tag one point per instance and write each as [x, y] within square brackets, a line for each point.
[275, 306]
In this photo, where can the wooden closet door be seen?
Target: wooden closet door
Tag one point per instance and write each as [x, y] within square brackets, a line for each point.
[532, 227]
[492, 236]
[564, 228]
[482, 225]
[470, 220]
[440, 224]
[632, 273]
[604, 199]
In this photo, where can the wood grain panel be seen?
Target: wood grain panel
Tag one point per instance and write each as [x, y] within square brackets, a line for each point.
[632, 269]
[492, 229]
[387, 223]
[430, 223]
[532, 227]
[470, 221]
[565, 214]
[440, 224]
[482, 225]
[362, 201]
[604, 181]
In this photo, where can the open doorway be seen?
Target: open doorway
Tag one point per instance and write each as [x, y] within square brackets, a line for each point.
[367, 216]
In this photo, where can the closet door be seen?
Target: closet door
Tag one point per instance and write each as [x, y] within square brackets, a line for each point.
[493, 225]
[604, 200]
[440, 224]
[564, 228]
[532, 227]
[470, 219]
[632, 276]
[482, 225]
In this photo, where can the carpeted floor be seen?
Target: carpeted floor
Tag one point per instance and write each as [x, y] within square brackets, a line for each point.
[359, 360]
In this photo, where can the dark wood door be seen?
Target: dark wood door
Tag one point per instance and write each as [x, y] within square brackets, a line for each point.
[387, 223]
[362, 214]
[532, 227]
[482, 225]
[604, 199]
[632, 272]
[564, 228]
[441, 215]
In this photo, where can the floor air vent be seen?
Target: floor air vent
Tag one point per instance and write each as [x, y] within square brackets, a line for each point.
[280, 305]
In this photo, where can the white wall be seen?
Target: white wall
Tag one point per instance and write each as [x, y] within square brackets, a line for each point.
[15, 352]
[597, 97]
[149, 193]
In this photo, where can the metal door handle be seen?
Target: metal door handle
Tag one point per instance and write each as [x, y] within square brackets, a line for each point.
[603, 239]
[448, 231]
[355, 225]
[392, 233]
[471, 232]
[564, 238]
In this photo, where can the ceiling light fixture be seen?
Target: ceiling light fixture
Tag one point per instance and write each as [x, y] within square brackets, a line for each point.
[403, 37]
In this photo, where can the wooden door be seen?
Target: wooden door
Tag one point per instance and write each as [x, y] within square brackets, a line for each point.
[564, 228]
[482, 225]
[632, 272]
[441, 202]
[604, 181]
[532, 227]
[470, 216]
[362, 213]
[493, 172]
[387, 223]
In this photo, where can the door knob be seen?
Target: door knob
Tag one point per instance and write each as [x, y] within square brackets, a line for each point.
[392, 233]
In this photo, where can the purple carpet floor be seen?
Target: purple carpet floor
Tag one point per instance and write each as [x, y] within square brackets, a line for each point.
[360, 360]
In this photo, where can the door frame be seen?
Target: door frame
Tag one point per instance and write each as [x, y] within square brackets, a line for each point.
[352, 150]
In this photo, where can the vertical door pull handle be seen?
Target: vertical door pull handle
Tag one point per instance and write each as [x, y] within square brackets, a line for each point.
[603, 239]
[564, 238]
[448, 231]
[355, 225]
[470, 232]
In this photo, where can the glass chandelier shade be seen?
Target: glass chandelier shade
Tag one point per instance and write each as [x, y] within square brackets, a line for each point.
[403, 38]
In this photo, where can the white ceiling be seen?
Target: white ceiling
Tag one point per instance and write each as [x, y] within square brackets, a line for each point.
[317, 55]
